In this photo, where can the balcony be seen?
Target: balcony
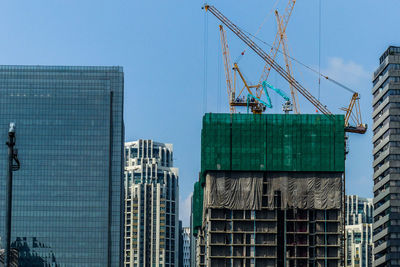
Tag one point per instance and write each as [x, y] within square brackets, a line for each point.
[381, 106]
[381, 260]
[381, 208]
[381, 169]
[382, 156]
[382, 194]
[381, 247]
[381, 221]
[380, 235]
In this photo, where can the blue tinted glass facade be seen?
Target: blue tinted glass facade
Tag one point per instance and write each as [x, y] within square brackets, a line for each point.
[68, 194]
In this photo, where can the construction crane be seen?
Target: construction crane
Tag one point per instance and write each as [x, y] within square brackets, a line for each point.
[256, 105]
[296, 85]
[259, 51]
[227, 65]
[280, 20]
[353, 112]
[285, 107]
[280, 38]
[277, 41]
[252, 100]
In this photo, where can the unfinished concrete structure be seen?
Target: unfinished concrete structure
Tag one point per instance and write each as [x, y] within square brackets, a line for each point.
[269, 196]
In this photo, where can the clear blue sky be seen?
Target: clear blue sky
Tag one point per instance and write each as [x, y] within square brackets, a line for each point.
[160, 44]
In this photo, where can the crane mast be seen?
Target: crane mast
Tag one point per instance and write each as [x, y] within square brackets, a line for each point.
[353, 111]
[280, 21]
[268, 59]
[227, 65]
[236, 100]
[277, 41]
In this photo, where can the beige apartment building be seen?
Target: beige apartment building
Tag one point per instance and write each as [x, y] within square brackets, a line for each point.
[151, 205]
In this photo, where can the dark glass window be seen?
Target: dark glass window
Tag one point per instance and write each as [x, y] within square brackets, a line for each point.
[61, 193]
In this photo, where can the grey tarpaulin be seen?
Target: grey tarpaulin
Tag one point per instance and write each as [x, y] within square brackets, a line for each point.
[234, 190]
[306, 190]
[244, 190]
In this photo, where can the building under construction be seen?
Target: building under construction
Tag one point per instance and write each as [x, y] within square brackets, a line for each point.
[270, 190]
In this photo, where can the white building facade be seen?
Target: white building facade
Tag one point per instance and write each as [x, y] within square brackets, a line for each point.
[186, 246]
[151, 205]
[359, 210]
[359, 242]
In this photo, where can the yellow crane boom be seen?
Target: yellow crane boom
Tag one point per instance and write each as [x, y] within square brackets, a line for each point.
[288, 64]
[352, 111]
[228, 67]
[255, 106]
[277, 41]
[259, 51]
[237, 100]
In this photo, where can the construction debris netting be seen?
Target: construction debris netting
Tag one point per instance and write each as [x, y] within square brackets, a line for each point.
[244, 190]
[197, 207]
[272, 142]
[235, 190]
[309, 190]
[298, 147]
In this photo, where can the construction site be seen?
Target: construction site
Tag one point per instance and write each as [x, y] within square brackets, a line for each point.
[271, 190]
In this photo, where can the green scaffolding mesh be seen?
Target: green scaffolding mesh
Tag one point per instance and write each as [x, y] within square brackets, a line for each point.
[197, 207]
[272, 142]
[268, 142]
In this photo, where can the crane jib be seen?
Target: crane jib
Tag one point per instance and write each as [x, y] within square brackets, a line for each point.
[269, 60]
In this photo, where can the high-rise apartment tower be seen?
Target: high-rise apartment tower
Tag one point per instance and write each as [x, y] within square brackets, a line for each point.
[386, 151]
[151, 205]
[358, 210]
[359, 242]
[68, 194]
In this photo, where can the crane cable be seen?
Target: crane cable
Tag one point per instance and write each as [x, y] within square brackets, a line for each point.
[259, 29]
[301, 63]
[319, 51]
[219, 87]
[205, 62]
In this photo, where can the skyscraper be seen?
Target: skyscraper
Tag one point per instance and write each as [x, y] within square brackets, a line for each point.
[386, 151]
[151, 205]
[67, 196]
[359, 243]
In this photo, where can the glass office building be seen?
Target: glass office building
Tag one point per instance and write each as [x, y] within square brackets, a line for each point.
[68, 195]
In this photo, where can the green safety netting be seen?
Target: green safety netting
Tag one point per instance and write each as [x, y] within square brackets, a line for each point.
[197, 207]
[268, 142]
[272, 142]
